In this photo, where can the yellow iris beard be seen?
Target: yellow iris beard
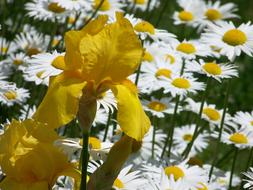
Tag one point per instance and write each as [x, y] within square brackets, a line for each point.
[102, 56]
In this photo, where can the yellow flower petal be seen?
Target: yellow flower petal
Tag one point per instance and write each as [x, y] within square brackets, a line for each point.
[60, 105]
[131, 117]
[10, 184]
[114, 52]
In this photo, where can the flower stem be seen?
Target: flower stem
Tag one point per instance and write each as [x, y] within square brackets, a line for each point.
[195, 134]
[85, 159]
[221, 127]
[107, 125]
[162, 12]
[233, 168]
[153, 137]
[137, 75]
[94, 13]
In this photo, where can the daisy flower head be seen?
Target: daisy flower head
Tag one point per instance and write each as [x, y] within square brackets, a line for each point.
[181, 85]
[27, 111]
[108, 7]
[42, 66]
[241, 138]
[107, 101]
[31, 42]
[143, 4]
[100, 118]
[150, 79]
[143, 150]
[17, 59]
[213, 69]
[11, 95]
[6, 47]
[189, 49]
[223, 181]
[159, 108]
[210, 113]
[183, 136]
[191, 14]
[74, 5]
[214, 12]
[248, 180]
[46, 10]
[231, 40]
[244, 119]
[126, 180]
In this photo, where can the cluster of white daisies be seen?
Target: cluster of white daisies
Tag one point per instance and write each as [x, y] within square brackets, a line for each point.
[172, 76]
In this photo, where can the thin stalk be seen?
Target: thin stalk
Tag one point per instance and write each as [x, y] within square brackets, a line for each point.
[233, 168]
[107, 125]
[171, 130]
[195, 134]
[94, 13]
[225, 157]
[147, 10]
[49, 47]
[153, 136]
[137, 75]
[215, 155]
[161, 13]
[85, 159]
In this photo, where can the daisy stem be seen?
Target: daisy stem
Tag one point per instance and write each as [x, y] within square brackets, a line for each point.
[147, 10]
[225, 157]
[153, 137]
[233, 168]
[94, 13]
[107, 125]
[49, 47]
[137, 75]
[132, 8]
[161, 13]
[221, 128]
[195, 134]
[171, 130]
[84, 160]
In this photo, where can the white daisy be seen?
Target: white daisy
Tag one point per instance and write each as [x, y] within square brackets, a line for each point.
[189, 49]
[143, 4]
[6, 47]
[107, 101]
[181, 85]
[159, 108]
[212, 69]
[109, 7]
[12, 95]
[230, 39]
[46, 10]
[248, 181]
[245, 119]
[41, 67]
[223, 181]
[183, 136]
[27, 111]
[75, 5]
[18, 60]
[191, 14]
[151, 73]
[210, 113]
[101, 117]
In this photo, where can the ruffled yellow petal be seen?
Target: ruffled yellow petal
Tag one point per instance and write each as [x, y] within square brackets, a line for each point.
[72, 39]
[115, 52]
[60, 105]
[131, 117]
[10, 184]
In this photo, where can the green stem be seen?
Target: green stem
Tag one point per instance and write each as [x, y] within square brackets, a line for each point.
[147, 9]
[107, 125]
[137, 75]
[225, 157]
[171, 130]
[195, 134]
[94, 13]
[153, 136]
[233, 168]
[215, 155]
[162, 12]
[85, 159]
[49, 47]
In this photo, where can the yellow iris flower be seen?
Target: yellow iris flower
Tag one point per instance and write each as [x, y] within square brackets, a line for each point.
[102, 56]
[29, 158]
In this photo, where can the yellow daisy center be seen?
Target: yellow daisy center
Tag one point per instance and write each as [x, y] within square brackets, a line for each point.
[54, 7]
[4, 50]
[212, 68]
[185, 16]
[10, 95]
[17, 61]
[144, 26]
[234, 37]
[141, 2]
[251, 123]
[147, 57]
[213, 14]
[171, 58]
[118, 183]
[181, 83]
[175, 171]
[104, 7]
[238, 138]
[39, 74]
[187, 137]
[95, 143]
[204, 187]
[157, 106]
[71, 20]
[32, 51]
[163, 72]
[187, 48]
[212, 114]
